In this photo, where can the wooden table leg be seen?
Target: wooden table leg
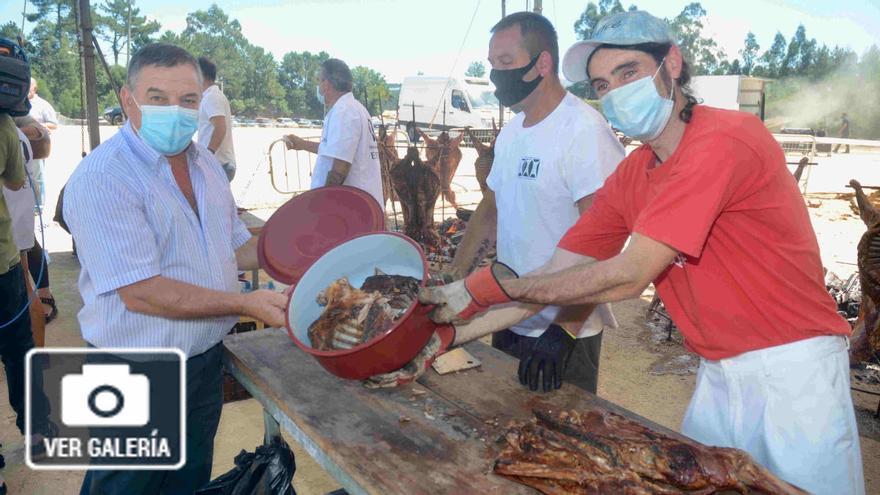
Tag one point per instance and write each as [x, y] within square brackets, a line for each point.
[271, 429]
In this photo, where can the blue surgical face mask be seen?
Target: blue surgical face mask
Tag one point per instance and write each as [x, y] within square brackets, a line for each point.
[637, 110]
[318, 94]
[168, 129]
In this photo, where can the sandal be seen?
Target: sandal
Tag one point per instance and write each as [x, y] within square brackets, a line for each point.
[50, 301]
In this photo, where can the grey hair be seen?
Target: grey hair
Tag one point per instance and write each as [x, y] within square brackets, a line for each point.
[338, 73]
[24, 121]
[160, 55]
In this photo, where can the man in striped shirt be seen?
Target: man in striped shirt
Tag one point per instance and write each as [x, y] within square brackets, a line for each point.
[160, 245]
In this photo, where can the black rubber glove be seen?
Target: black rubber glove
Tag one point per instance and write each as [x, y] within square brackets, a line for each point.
[546, 361]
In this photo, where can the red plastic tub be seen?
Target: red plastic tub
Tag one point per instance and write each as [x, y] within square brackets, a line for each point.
[357, 259]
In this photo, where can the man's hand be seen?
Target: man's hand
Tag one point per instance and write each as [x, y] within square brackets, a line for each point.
[294, 142]
[267, 306]
[546, 361]
[462, 300]
[443, 277]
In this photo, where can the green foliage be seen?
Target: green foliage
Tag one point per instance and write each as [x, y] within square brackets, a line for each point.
[583, 27]
[299, 74]
[372, 84]
[749, 53]
[255, 83]
[112, 26]
[10, 30]
[476, 69]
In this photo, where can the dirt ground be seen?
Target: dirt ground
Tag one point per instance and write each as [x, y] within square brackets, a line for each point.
[640, 370]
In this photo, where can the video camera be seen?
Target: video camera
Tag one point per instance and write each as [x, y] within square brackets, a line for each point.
[15, 79]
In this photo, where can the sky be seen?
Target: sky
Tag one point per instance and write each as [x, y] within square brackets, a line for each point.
[402, 37]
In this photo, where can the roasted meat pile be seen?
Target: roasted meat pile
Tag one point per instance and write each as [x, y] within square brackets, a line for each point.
[597, 452]
[417, 187]
[353, 316]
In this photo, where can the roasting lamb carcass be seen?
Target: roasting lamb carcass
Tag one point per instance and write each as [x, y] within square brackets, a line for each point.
[485, 156]
[866, 334]
[354, 316]
[596, 451]
[388, 157]
[442, 155]
[417, 187]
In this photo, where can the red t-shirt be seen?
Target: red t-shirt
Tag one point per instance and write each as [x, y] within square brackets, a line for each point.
[748, 275]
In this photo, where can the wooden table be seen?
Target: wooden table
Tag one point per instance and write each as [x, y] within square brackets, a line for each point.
[435, 436]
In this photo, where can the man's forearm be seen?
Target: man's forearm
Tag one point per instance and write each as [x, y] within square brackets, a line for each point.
[479, 238]
[218, 134]
[169, 298]
[497, 318]
[246, 256]
[310, 146]
[338, 173]
[570, 279]
[585, 283]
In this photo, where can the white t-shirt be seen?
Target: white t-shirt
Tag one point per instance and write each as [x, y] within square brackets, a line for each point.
[42, 111]
[538, 175]
[348, 135]
[21, 203]
[214, 103]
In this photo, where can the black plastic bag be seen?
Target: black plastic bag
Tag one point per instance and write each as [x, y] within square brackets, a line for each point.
[268, 471]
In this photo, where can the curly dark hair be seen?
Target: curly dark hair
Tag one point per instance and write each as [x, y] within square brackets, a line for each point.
[658, 51]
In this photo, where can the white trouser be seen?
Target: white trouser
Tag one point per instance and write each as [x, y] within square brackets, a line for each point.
[788, 406]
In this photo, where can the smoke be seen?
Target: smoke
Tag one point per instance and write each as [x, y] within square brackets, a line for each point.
[802, 102]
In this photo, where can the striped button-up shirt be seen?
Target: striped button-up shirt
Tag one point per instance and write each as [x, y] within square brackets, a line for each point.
[131, 222]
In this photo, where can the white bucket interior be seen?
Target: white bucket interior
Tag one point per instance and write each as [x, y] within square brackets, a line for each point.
[356, 259]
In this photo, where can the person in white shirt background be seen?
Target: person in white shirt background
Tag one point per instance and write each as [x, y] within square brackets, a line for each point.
[43, 112]
[215, 119]
[348, 153]
[549, 160]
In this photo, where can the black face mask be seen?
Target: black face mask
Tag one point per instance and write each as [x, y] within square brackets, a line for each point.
[510, 89]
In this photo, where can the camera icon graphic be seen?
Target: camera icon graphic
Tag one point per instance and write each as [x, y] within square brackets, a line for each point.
[105, 395]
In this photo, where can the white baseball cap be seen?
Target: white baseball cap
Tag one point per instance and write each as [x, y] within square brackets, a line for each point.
[624, 28]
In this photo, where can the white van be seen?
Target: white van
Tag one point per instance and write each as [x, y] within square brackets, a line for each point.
[469, 101]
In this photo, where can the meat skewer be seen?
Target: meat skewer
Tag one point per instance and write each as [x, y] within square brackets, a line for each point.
[388, 157]
[866, 334]
[485, 156]
[601, 452]
[418, 188]
[442, 155]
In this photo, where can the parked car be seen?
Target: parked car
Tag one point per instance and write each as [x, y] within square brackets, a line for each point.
[114, 115]
[303, 122]
[264, 122]
[285, 122]
[317, 123]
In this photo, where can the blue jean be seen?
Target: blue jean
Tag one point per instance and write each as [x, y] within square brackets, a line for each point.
[39, 182]
[204, 401]
[16, 340]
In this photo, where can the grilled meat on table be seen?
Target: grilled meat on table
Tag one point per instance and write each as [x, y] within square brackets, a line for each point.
[597, 452]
